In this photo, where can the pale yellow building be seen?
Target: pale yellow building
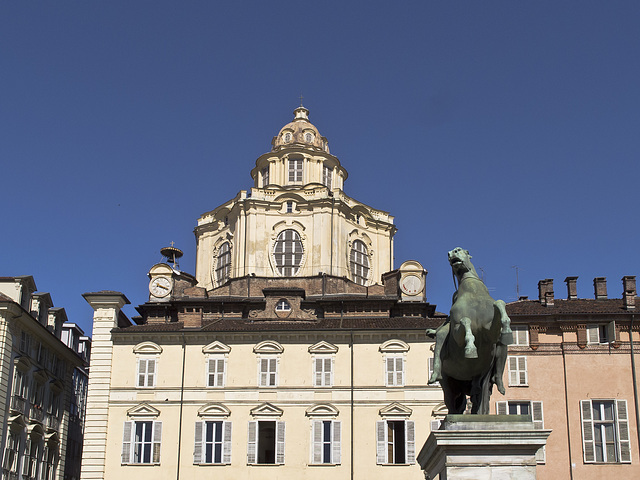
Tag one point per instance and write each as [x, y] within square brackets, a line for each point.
[296, 350]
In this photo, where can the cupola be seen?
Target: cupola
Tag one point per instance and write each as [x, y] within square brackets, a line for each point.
[300, 132]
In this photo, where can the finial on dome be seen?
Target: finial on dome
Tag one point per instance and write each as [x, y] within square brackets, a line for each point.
[301, 97]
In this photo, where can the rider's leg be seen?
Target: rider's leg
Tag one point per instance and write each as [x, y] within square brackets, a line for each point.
[441, 334]
[470, 350]
[506, 335]
[501, 361]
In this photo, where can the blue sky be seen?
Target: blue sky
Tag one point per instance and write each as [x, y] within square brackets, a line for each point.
[509, 128]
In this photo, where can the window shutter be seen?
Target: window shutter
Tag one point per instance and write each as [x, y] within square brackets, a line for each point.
[399, 371]
[390, 371]
[220, 372]
[588, 443]
[264, 372]
[26, 458]
[593, 336]
[316, 441]
[435, 425]
[318, 372]
[197, 443]
[381, 442]
[624, 445]
[280, 442]
[252, 443]
[513, 371]
[611, 332]
[274, 366]
[501, 408]
[157, 441]
[328, 372]
[538, 423]
[126, 442]
[336, 443]
[151, 373]
[210, 373]
[411, 442]
[522, 370]
[226, 445]
[141, 372]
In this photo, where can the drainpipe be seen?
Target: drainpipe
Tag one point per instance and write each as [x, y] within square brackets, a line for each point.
[352, 407]
[184, 352]
[634, 378]
[333, 202]
[566, 409]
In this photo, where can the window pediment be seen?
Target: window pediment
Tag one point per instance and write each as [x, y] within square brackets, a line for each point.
[322, 410]
[268, 346]
[216, 347]
[266, 410]
[394, 346]
[395, 409]
[143, 410]
[214, 410]
[323, 347]
[147, 348]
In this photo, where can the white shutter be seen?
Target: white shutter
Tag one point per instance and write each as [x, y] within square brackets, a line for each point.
[381, 442]
[226, 445]
[624, 445]
[197, 443]
[274, 372]
[280, 443]
[593, 335]
[211, 381]
[501, 408]
[264, 372]
[513, 371]
[588, 443]
[522, 370]
[142, 372]
[318, 372]
[126, 442]
[538, 423]
[410, 436]
[399, 371]
[316, 441]
[220, 372]
[151, 372]
[390, 376]
[336, 443]
[252, 443]
[328, 371]
[611, 331]
[157, 441]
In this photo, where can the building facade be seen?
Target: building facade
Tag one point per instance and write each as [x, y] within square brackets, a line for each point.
[572, 368]
[36, 372]
[295, 351]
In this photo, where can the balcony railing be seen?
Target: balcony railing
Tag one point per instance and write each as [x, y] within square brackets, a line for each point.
[7, 475]
[18, 404]
[35, 413]
[53, 423]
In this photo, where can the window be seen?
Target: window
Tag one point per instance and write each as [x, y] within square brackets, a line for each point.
[266, 442]
[212, 442]
[326, 176]
[394, 371]
[308, 137]
[325, 441]
[283, 306]
[50, 460]
[525, 408]
[289, 207]
[265, 176]
[520, 335]
[359, 262]
[268, 373]
[223, 263]
[216, 371]
[323, 371]
[601, 334]
[25, 343]
[141, 442]
[395, 442]
[146, 372]
[287, 137]
[288, 252]
[31, 457]
[11, 456]
[518, 371]
[295, 170]
[605, 431]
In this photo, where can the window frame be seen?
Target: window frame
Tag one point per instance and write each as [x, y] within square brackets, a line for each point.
[621, 432]
[327, 176]
[359, 264]
[133, 449]
[288, 253]
[254, 445]
[219, 377]
[265, 176]
[537, 417]
[394, 377]
[383, 444]
[295, 168]
[517, 371]
[326, 451]
[223, 263]
[518, 331]
[324, 377]
[269, 373]
[147, 360]
[201, 442]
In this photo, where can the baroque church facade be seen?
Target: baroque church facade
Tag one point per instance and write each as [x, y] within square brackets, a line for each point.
[295, 348]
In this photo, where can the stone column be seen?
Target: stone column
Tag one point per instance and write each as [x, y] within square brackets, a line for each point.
[106, 307]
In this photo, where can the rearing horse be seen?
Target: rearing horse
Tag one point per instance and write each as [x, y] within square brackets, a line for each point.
[471, 346]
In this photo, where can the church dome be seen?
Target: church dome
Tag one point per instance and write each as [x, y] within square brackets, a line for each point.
[300, 132]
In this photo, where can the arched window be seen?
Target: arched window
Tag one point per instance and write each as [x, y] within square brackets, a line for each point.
[308, 137]
[359, 262]
[223, 264]
[288, 252]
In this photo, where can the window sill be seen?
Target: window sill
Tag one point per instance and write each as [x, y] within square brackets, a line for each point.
[323, 464]
[140, 464]
[211, 464]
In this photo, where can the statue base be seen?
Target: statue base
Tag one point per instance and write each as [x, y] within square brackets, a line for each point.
[483, 447]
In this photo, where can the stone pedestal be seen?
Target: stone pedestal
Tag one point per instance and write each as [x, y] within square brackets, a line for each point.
[483, 447]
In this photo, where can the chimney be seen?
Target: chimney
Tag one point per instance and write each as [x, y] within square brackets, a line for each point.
[600, 288]
[572, 288]
[629, 292]
[545, 292]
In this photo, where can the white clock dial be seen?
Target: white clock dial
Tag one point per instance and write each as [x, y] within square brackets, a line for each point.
[411, 285]
[160, 287]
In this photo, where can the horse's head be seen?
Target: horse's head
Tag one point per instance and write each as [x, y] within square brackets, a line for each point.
[460, 262]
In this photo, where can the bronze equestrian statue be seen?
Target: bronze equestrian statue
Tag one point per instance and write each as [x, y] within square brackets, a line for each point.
[471, 346]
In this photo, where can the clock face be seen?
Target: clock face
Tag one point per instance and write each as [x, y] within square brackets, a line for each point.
[411, 285]
[160, 287]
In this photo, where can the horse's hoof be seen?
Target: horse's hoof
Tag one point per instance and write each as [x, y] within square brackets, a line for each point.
[434, 378]
[471, 352]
